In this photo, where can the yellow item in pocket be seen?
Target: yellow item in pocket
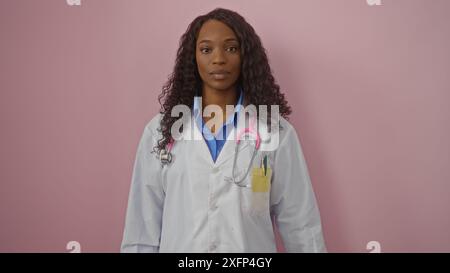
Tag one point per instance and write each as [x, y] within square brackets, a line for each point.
[261, 182]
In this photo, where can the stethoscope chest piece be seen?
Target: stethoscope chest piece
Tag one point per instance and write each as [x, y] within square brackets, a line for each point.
[165, 157]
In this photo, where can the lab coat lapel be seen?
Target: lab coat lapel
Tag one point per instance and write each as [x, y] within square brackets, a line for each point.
[194, 139]
[193, 135]
[229, 147]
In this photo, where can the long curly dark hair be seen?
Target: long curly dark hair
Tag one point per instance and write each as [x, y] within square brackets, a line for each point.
[184, 83]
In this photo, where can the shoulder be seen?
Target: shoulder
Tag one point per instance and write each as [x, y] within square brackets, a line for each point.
[286, 129]
[285, 125]
[287, 133]
[278, 137]
[152, 126]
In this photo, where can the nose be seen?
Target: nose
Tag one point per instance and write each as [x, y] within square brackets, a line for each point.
[218, 57]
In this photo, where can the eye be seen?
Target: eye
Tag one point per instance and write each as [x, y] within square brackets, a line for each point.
[204, 50]
[232, 49]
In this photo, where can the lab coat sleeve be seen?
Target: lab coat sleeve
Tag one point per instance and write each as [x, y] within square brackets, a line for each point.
[145, 204]
[293, 203]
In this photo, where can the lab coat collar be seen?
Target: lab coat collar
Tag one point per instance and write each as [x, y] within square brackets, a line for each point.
[197, 111]
[193, 133]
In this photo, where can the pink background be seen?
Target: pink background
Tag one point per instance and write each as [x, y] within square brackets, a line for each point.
[369, 85]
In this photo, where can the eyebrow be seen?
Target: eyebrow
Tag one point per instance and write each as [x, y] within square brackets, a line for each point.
[226, 40]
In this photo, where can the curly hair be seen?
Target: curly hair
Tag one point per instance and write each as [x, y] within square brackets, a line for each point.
[184, 83]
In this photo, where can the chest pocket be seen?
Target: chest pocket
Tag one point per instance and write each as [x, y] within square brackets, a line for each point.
[255, 197]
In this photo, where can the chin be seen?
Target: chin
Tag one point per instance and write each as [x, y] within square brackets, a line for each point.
[220, 86]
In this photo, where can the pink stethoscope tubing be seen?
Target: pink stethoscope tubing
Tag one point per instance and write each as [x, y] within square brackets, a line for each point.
[165, 155]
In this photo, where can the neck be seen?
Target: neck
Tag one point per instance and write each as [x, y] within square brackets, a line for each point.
[221, 98]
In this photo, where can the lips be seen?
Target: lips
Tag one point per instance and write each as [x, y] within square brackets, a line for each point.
[219, 74]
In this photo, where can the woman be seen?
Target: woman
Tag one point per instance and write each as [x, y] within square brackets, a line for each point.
[214, 194]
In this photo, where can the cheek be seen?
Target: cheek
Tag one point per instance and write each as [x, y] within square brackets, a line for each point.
[237, 66]
[237, 62]
[201, 65]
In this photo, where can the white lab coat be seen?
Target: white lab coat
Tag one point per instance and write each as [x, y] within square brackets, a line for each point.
[190, 206]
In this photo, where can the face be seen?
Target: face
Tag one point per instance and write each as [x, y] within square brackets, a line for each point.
[218, 56]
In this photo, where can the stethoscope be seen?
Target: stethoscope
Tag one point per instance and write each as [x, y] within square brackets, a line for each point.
[165, 155]
[249, 131]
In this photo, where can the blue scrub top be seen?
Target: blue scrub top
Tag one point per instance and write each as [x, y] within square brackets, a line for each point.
[215, 142]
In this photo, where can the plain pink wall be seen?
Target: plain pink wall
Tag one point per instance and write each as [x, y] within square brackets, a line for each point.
[369, 86]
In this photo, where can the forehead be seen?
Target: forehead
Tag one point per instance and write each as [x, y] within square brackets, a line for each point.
[215, 31]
